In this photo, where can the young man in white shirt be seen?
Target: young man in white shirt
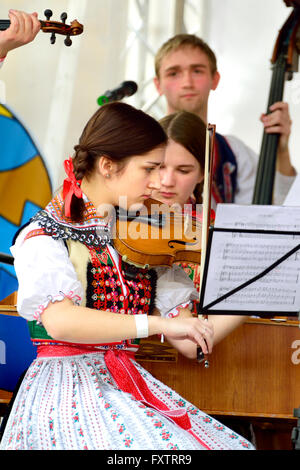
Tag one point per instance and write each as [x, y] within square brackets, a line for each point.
[186, 72]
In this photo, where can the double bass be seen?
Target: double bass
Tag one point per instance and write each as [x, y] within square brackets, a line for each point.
[284, 63]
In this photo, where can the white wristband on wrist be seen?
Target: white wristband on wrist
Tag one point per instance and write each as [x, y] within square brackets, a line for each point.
[141, 323]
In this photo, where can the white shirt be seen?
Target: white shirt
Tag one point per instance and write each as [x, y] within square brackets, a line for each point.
[46, 274]
[246, 174]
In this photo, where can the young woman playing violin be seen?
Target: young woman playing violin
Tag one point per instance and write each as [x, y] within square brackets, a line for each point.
[86, 308]
[181, 177]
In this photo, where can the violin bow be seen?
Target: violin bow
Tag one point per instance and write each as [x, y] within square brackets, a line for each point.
[208, 175]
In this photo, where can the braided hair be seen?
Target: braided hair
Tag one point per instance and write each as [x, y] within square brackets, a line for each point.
[117, 131]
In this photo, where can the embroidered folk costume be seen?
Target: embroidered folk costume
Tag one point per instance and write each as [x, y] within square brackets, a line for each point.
[96, 396]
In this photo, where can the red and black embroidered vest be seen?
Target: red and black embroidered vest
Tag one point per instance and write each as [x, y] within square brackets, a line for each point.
[108, 282]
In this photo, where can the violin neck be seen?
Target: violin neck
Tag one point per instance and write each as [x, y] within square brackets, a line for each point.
[263, 189]
[4, 24]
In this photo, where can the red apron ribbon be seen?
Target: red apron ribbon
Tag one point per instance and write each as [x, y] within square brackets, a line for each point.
[71, 186]
[130, 380]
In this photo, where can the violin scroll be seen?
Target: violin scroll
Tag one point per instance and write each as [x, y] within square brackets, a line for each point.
[55, 27]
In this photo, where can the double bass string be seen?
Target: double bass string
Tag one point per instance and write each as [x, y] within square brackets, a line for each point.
[267, 161]
[272, 139]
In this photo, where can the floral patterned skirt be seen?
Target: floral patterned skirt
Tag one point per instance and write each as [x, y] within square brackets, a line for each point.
[74, 403]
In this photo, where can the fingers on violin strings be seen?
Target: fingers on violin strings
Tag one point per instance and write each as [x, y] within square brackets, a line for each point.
[14, 22]
[36, 25]
[31, 26]
[20, 21]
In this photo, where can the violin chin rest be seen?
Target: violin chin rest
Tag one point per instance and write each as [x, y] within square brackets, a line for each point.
[142, 266]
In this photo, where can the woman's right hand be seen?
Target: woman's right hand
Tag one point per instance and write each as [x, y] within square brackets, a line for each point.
[198, 331]
[23, 29]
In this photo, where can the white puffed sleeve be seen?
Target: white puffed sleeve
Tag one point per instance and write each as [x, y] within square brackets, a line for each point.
[174, 290]
[45, 273]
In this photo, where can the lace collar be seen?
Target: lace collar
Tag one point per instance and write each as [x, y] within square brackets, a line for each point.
[93, 230]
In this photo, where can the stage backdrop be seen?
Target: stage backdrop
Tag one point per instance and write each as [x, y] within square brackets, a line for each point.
[25, 187]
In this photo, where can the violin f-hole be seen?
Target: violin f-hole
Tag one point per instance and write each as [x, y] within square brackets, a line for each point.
[171, 243]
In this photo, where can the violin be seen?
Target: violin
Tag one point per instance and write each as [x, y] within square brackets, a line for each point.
[54, 27]
[157, 235]
[284, 63]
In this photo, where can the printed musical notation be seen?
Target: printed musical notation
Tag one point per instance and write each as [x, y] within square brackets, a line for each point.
[237, 257]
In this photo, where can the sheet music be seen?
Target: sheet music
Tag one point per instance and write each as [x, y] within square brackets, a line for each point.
[258, 217]
[237, 257]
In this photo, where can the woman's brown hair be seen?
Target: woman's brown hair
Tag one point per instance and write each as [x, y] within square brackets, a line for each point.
[188, 130]
[118, 131]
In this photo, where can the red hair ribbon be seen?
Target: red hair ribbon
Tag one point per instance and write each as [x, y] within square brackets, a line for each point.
[71, 186]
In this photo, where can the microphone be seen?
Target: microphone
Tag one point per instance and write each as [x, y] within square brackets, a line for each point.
[127, 88]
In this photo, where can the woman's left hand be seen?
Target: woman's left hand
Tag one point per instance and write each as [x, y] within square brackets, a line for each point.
[23, 29]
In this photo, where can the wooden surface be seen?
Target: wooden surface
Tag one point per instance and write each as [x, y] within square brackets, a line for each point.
[251, 372]
[8, 306]
[5, 397]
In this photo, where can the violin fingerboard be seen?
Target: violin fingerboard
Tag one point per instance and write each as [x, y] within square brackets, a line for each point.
[4, 24]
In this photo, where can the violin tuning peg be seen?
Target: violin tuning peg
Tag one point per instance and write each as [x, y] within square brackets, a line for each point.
[48, 14]
[68, 41]
[63, 17]
[52, 38]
